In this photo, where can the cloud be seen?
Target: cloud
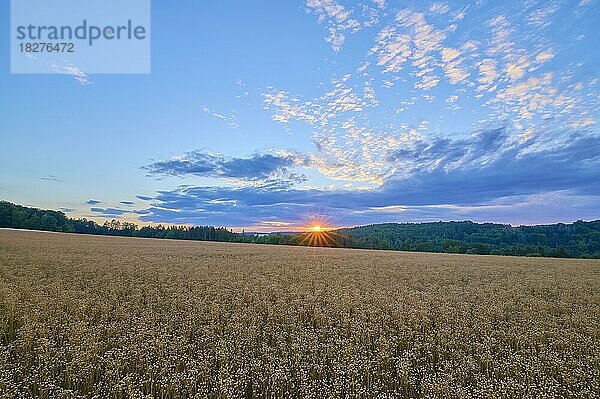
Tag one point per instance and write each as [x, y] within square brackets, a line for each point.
[92, 202]
[541, 18]
[126, 202]
[439, 177]
[231, 119]
[410, 39]
[487, 73]
[439, 8]
[420, 60]
[275, 223]
[287, 109]
[449, 54]
[340, 20]
[535, 96]
[347, 147]
[265, 168]
[544, 56]
[415, 44]
[76, 73]
[375, 150]
[497, 62]
[109, 212]
[489, 167]
[337, 19]
[52, 178]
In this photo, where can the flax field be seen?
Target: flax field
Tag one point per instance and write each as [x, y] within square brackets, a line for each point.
[112, 317]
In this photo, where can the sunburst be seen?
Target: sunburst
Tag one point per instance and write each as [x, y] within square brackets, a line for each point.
[318, 233]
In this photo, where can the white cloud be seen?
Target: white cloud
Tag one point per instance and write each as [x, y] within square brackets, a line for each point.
[439, 8]
[337, 19]
[500, 43]
[449, 54]
[518, 69]
[410, 40]
[287, 108]
[392, 49]
[415, 58]
[385, 209]
[231, 119]
[487, 73]
[347, 148]
[73, 71]
[544, 56]
[541, 18]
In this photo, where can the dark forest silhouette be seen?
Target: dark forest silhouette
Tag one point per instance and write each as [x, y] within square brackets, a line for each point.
[577, 240]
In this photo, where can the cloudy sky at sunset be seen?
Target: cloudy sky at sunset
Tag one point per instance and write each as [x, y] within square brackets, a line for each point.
[266, 114]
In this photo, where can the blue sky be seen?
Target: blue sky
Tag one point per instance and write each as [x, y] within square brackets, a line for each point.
[263, 115]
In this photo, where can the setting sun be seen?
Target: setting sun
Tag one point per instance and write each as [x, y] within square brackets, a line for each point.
[318, 232]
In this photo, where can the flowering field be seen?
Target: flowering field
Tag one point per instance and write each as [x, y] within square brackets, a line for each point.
[109, 317]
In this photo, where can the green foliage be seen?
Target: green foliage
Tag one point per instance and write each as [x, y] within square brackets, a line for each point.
[20, 217]
[578, 240]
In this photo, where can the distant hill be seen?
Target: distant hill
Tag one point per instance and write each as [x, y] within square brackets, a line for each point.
[579, 239]
[576, 240]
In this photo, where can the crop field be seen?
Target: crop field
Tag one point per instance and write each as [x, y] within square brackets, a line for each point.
[109, 317]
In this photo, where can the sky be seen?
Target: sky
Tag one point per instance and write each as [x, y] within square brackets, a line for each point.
[268, 115]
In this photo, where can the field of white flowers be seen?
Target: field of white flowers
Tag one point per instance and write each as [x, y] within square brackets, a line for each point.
[108, 317]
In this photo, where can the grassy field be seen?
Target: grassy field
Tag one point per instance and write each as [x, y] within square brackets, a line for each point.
[108, 317]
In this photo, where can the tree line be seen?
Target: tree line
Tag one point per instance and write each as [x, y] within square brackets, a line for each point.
[21, 217]
[577, 240]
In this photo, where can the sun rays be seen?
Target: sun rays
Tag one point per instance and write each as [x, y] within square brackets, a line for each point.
[320, 238]
[319, 233]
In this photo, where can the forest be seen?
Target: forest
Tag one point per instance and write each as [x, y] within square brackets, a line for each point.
[576, 240]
